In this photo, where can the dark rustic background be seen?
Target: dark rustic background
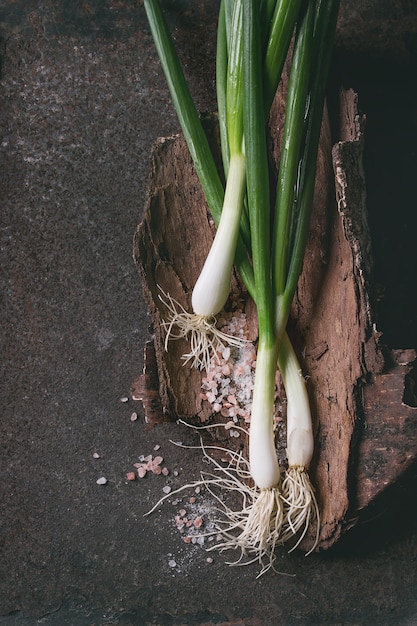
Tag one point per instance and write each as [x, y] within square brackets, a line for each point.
[82, 100]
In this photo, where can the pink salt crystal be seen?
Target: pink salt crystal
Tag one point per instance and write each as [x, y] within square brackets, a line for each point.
[142, 471]
[182, 512]
[232, 399]
[156, 447]
[165, 471]
[229, 424]
[217, 407]
[226, 353]
[225, 412]
[131, 476]
[198, 522]
[96, 455]
[226, 370]
[191, 500]
[148, 458]
[158, 460]
[134, 416]
[210, 397]
[186, 539]
[156, 469]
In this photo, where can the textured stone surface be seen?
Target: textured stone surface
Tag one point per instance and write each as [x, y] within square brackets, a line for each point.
[82, 101]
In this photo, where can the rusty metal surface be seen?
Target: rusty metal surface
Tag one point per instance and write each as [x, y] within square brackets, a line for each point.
[82, 100]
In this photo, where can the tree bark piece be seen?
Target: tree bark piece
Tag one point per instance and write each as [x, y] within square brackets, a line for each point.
[350, 383]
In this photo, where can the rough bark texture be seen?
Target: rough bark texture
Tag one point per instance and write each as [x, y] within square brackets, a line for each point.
[365, 436]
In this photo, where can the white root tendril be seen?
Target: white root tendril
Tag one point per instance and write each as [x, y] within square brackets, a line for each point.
[300, 506]
[205, 339]
[256, 528]
[259, 524]
[266, 518]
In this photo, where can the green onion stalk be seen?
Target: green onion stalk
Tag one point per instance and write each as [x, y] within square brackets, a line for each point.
[212, 288]
[266, 241]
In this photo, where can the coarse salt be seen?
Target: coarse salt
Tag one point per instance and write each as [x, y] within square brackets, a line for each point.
[142, 471]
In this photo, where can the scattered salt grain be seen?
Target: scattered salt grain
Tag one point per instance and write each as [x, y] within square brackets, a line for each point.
[134, 416]
[165, 471]
[210, 397]
[124, 399]
[172, 563]
[209, 559]
[96, 455]
[156, 447]
[166, 489]
[142, 471]
[131, 476]
[102, 481]
[226, 354]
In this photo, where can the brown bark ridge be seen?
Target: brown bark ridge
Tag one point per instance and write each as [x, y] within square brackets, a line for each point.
[362, 403]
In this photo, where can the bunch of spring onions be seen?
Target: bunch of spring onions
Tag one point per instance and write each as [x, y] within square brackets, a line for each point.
[264, 239]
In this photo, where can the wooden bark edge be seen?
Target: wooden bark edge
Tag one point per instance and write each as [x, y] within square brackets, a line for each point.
[332, 319]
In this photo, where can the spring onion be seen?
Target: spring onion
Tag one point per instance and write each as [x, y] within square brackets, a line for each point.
[265, 240]
[213, 285]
